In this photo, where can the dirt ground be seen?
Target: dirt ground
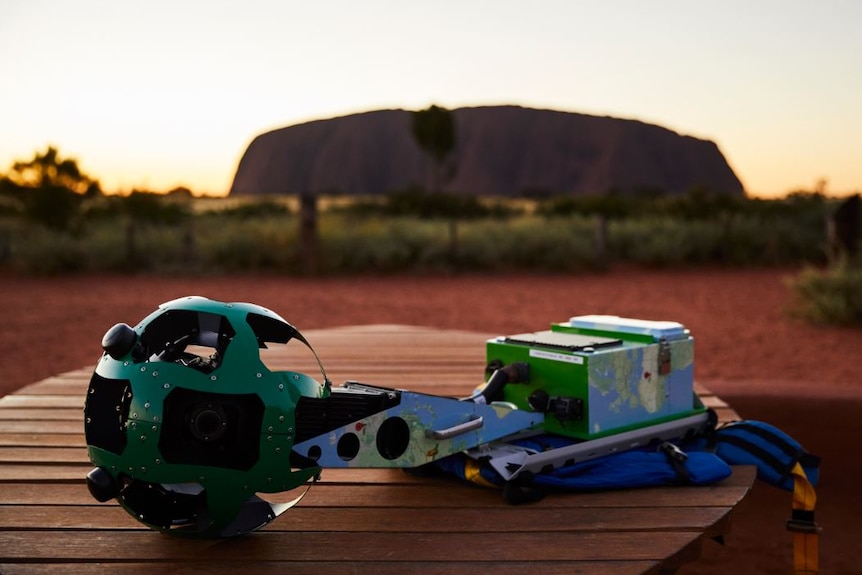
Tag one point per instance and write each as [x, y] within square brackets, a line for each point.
[767, 365]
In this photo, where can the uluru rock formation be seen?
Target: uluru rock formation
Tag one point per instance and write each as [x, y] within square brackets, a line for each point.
[500, 150]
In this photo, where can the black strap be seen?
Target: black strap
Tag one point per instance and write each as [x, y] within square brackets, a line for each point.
[757, 451]
[771, 437]
[677, 458]
[796, 453]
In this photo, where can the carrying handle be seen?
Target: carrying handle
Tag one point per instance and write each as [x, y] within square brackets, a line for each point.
[455, 430]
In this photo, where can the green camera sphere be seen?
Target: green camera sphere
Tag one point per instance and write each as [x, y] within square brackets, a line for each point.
[186, 425]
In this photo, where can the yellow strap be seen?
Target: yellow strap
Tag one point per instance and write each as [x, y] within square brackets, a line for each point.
[805, 544]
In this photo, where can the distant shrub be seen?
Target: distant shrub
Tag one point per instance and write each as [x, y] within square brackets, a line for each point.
[371, 244]
[136, 247]
[418, 203]
[697, 204]
[612, 206]
[529, 243]
[662, 241]
[227, 244]
[416, 232]
[54, 207]
[832, 295]
[10, 205]
[40, 251]
[255, 209]
[731, 240]
[138, 206]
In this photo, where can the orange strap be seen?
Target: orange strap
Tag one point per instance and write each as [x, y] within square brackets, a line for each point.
[805, 530]
[473, 473]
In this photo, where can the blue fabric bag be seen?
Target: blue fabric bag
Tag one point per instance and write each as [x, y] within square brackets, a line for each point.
[705, 460]
[773, 452]
[628, 469]
[780, 460]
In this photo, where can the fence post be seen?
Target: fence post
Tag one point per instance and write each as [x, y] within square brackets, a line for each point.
[308, 233]
[601, 240]
[843, 229]
[131, 244]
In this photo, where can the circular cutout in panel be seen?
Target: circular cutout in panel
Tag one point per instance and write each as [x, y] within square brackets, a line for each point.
[348, 446]
[393, 437]
[314, 452]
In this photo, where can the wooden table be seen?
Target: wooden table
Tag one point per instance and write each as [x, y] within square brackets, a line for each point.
[353, 521]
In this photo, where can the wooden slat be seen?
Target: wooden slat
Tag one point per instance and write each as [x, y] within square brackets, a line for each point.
[69, 426]
[426, 493]
[69, 383]
[43, 414]
[411, 546]
[25, 401]
[335, 568]
[43, 454]
[34, 439]
[400, 519]
[713, 402]
[360, 521]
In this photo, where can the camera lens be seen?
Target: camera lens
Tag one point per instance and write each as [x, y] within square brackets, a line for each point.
[208, 422]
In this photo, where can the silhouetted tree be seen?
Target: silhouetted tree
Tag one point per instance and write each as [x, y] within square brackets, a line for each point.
[50, 188]
[434, 132]
[49, 170]
[180, 192]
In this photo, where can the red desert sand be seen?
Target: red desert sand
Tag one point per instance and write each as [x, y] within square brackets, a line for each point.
[763, 362]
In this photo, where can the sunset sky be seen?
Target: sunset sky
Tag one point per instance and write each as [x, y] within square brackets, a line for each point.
[158, 94]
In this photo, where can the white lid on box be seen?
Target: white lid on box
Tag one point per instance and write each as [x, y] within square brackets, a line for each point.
[669, 330]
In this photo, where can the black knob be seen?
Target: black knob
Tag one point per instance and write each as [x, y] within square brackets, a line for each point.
[539, 400]
[101, 485]
[119, 340]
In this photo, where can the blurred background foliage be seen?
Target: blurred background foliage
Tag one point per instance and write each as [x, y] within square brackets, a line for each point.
[55, 219]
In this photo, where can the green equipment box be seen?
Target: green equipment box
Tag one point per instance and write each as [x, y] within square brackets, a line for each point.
[598, 375]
